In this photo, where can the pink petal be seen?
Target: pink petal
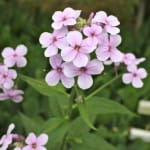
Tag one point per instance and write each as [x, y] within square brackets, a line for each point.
[61, 43]
[95, 67]
[52, 78]
[51, 51]
[45, 39]
[87, 31]
[100, 17]
[21, 62]
[85, 81]
[66, 81]
[74, 38]
[42, 139]
[115, 40]
[41, 148]
[137, 82]
[113, 21]
[70, 70]
[112, 30]
[142, 73]
[61, 32]
[10, 128]
[116, 56]
[9, 61]
[70, 21]
[102, 53]
[7, 52]
[57, 25]
[127, 78]
[12, 73]
[3, 96]
[21, 50]
[132, 68]
[31, 139]
[55, 61]
[57, 16]
[81, 60]
[9, 84]
[68, 54]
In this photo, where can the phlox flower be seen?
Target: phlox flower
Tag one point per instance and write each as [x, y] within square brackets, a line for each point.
[53, 41]
[77, 50]
[35, 143]
[15, 57]
[65, 18]
[6, 77]
[130, 59]
[108, 48]
[57, 73]
[6, 139]
[85, 80]
[93, 33]
[134, 76]
[108, 22]
[13, 94]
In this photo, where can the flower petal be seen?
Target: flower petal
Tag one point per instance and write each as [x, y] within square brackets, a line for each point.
[52, 78]
[115, 40]
[9, 61]
[66, 81]
[55, 61]
[137, 82]
[7, 52]
[113, 21]
[112, 30]
[116, 56]
[42, 139]
[21, 50]
[127, 78]
[142, 73]
[85, 81]
[21, 62]
[51, 51]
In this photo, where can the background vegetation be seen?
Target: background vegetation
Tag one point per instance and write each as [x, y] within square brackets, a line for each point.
[22, 21]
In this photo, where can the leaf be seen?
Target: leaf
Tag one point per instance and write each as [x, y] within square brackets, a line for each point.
[85, 115]
[42, 87]
[98, 105]
[92, 142]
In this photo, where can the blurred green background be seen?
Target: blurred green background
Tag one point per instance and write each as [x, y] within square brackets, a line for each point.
[22, 21]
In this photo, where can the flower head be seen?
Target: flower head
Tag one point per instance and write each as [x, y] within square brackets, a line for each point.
[134, 76]
[85, 80]
[15, 57]
[109, 23]
[57, 73]
[65, 18]
[35, 143]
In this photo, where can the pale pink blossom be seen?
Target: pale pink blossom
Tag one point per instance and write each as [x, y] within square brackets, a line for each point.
[85, 73]
[15, 57]
[65, 18]
[7, 139]
[130, 59]
[36, 143]
[108, 48]
[93, 33]
[13, 94]
[77, 50]
[6, 77]
[57, 73]
[53, 41]
[109, 23]
[134, 76]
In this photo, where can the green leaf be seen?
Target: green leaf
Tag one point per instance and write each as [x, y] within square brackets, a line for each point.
[92, 142]
[85, 115]
[98, 105]
[42, 87]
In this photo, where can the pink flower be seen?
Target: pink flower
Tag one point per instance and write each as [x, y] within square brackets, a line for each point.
[65, 18]
[13, 94]
[134, 76]
[36, 143]
[15, 57]
[108, 48]
[108, 22]
[77, 50]
[85, 80]
[57, 74]
[6, 76]
[53, 41]
[93, 33]
[6, 139]
[130, 59]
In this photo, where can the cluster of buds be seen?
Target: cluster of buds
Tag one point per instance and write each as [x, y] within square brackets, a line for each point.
[8, 75]
[19, 142]
[81, 48]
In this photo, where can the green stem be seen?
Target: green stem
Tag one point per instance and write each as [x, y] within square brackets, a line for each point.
[102, 87]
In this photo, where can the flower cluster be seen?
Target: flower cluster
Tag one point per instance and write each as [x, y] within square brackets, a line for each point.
[80, 48]
[7, 75]
[18, 142]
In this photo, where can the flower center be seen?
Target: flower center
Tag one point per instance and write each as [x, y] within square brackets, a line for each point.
[14, 55]
[5, 76]
[92, 34]
[134, 75]
[64, 18]
[54, 39]
[59, 69]
[77, 47]
[34, 145]
[83, 69]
